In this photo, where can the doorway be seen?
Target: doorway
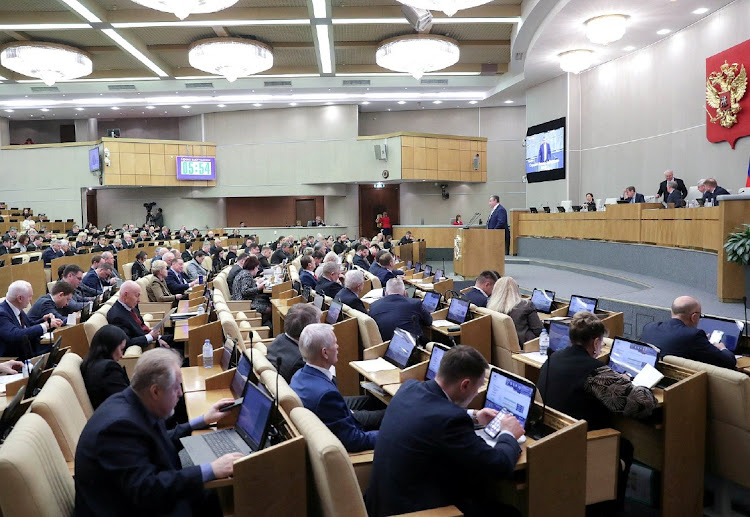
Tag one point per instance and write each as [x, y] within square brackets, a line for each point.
[91, 209]
[67, 133]
[304, 210]
[374, 201]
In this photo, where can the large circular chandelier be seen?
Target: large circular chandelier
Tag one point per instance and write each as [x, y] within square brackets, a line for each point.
[417, 54]
[576, 61]
[230, 57]
[449, 7]
[49, 62]
[606, 29]
[184, 8]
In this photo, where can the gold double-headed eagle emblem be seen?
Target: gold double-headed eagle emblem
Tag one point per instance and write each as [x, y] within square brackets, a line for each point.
[724, 90]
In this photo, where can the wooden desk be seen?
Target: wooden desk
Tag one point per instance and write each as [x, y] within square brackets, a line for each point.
[194, 377]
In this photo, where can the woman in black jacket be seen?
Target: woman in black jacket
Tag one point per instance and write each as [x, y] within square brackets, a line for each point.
[102, 374]
[139, 266]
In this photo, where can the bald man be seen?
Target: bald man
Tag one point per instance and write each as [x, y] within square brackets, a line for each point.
[126, 315]
[681, 337]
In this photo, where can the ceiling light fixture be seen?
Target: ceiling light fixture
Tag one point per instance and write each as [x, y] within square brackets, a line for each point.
[449, 7]
[221, 105]
[82, 10]
[365, 103]
[324, 48]
[79, 109]
[576, 61]
[663, 32]
[150, 107]
[319, 8]
[230, 57]
[257, 105]
[9, 111]
[629, 48]
[401, 102]
[417, 54]
[184, 8]
[437, 102]
[606, 29]
[185, 106]
[701, 10]
[292, 103]
[509, 101]
[44, 110]
[473, 102]
[49, 62]
[114, 108]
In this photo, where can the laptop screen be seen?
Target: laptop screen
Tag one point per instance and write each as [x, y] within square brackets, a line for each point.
[457, 310]
[720, 330]
[240, 376]
[437, 355]
[333, 312]
[581, 303]
[542, 300]
[410, 291]
[400, 348]
[252, 421]
[508, 391]
[318, 301]
[430, 301]
[631, 356]
[427, 270]
[559, 336]
[408, 264]
[226, 354]
[417, 267]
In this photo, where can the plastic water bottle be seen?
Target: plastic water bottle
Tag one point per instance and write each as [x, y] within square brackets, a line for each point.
[208, 354]
[544, 342]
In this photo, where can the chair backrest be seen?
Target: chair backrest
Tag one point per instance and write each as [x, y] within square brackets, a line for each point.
[70, 369]
[127, 271]
[336, 484]
[229, 326]
[288, 399]
[58, 405]
[728, 413]
[50, 285]
[504, 341]
[369, 333]
[143, 283]
[220, 283]
[36, 479]
[94, 323]
[293, 273]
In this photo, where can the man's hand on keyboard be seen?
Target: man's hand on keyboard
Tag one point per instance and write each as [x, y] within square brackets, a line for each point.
[224, 467]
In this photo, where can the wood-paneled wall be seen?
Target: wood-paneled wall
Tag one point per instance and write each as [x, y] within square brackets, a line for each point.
[443, 158]
[267, 211]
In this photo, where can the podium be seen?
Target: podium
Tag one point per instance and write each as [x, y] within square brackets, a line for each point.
[478, 249]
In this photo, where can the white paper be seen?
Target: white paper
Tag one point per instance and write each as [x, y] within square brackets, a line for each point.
[426, 287]
[535, 356]
[648, 377]
[71, 319]
[5, 379]
[374, 294]
[443, 323]
[374, 365]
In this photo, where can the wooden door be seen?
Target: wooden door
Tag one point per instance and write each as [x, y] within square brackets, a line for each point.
[91, 211]
[304, 210]
[374, 201]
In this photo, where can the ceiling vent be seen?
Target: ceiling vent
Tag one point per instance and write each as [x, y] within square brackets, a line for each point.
[45, 89]
[356, 82]
[121, 87]
[434, 82]
[268, 84]
[193, 86]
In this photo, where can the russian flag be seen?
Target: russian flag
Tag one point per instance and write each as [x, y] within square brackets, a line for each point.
[747, 181]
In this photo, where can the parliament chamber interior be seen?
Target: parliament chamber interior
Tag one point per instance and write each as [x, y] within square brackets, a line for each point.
[386, 247]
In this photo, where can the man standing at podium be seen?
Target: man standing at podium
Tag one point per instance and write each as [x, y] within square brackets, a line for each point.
[498, 219]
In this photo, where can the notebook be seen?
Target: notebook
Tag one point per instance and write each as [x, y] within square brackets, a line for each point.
[581, 303]
[438, 351]
[542, 300]
[430, 301]
[629, 356]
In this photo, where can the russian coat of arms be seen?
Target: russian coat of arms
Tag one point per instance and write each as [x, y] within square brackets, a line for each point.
[724, 90]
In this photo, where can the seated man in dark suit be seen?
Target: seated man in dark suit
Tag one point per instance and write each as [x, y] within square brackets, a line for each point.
[265, 255]
[281, 253]
[341, 244]
[328, 282]
[177, 281]
[674, 195]
[395, 310]
[482, 288]
[6, 246]
[187, 255]
[384, 267]
[127, 463]
[55, 303]
[406, 239]
[680, 336]
[236, 268]
[631, 196]
[286, 345]
[16, 327]
[360, 257]
[98, 278]
[73, 275]
[712, 191]
[427, 454]
[316, 387]
[51, 253]
[669, 176]
[307, 275]
[354, 281]
[125, 314]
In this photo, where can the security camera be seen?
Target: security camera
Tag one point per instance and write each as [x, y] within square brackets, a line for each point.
[107, 161]
[106, 152]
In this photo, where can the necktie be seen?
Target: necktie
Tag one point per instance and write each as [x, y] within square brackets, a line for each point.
[23, 319]
[143, 327]
[334, 381]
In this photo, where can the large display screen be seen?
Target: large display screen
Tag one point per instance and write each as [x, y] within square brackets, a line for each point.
[94, 162]
[545, 151]
[196, 168]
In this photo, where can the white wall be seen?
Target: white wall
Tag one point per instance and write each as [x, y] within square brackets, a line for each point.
[157, 128]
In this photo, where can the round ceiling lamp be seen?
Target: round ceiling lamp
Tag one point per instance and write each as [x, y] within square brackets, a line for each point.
[49, 62]
[606, 29]
[449, 7]
[184, 8]
[230, 57]
[417, 54]
[576, 61]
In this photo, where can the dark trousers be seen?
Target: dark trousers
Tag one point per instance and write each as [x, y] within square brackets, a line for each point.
[368, 411]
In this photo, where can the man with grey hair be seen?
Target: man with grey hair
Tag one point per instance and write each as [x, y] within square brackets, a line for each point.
[52, 252]
[20, 335]
[127, 463]
[354, 281]
[286, 346]
[168, 257]
[395, 310]
[317, 388]
[328, 279]
[99, 277]
[669, 176]
[674, 195]
[109, 258]
[125, 314]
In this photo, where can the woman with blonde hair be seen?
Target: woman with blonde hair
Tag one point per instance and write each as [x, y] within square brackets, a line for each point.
[157, 289]
[506, 298]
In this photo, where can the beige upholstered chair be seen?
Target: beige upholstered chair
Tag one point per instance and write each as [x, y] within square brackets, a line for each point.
[36, 481]
[220, 283]
[94, 323]
[58, 405]
[127, 271]
[260, 363]
[143, 282]
[70, 369]
[504, 340]
[288, 399]
[369, 333]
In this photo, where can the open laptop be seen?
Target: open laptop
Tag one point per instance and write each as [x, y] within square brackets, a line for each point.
[430, 301]
[334, 311]
[458, 310]
[12, 413]
[34, 258]
[318, 301]
[417, 267]
[630, 356]
[438, 351]
[439, 275]
[559, 336]
[542, 300]
[249, 436]
[411, 291]
[408, 264]
[722, 330]
[401, 348]
[510, 392]
[581, 303]
[427, 271]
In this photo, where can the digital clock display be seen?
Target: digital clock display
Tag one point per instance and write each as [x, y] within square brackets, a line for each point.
[196, 168]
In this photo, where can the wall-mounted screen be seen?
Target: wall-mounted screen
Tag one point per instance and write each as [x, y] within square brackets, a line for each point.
[545, 151]
[95, 164]
[196, 168]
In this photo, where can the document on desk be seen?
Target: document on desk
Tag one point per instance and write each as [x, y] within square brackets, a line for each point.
[535, 356]
[371, 296]
[5, 379]
[374, 365]
[426, 287]
[71, 319]
[442, 323]
[648, 377]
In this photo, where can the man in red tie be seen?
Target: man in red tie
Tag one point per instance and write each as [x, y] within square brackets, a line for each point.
[126, 315]
[15, 326]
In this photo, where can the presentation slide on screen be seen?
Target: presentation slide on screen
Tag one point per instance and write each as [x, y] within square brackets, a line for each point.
[545, 151]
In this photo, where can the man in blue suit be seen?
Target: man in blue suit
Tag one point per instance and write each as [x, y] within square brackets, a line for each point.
[316, 387]
[360, 257]
[680, 336]
[16, 327]
[328, 281]
[306, 276]
[545, 152]
[177, 281]
[51, 253]
[498, 219]
[427, 454]
[353, 282]
[55, 303]
[98, 277]
[632, 196]
[384, 266]
[127, 462]
[713, 190]
[482, 288]
[395, 310]
[674, 195]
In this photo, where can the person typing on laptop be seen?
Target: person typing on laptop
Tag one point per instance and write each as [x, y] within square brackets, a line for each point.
[126, 461]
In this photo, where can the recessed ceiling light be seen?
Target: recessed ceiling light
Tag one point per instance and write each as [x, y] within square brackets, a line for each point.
[221, 105]
[79, 109]
[33, 115]
[509, 101]
[44, 110]
[292, 103]
[150, 107]
[365, 103]
[473, 102]
[9, 111]
[629, 48]
[185, 106]
[701, 10]
[662, 32]
[114, 108]
[437, 102]
[400, 102]
[257, 105]
[389, 109]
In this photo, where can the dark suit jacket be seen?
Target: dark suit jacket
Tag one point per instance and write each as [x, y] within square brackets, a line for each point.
[323, 398]
[43, 306]
[498, 219]
[103, 378]
[329, 287]
[49, 254]
[639, 198]
[542, 156]
[177, 285]
[4, 250]
[348, 297]
[92, 280]
[127, 246]
[428, 456]
[527, 322]
[680, 187]
[187, 256]
[128, 467]
[477, 297]
[138, 270]
[673, 337]
[676, 198]
[360, 261]
[118, 315]
[12, 333]
[394, 311]
[307, 279]
[236, 268]
[718, 191]
[278, 256]
[291, 359]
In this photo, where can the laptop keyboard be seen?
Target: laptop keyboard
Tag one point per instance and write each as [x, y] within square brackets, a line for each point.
[221, 443]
